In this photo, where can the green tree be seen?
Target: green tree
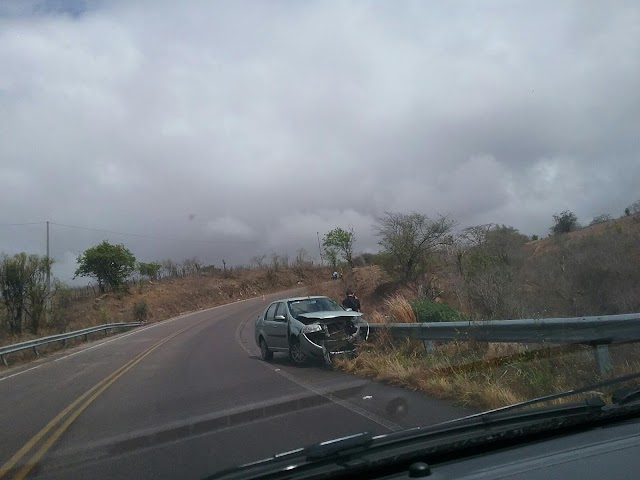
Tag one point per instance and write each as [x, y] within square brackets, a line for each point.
[331, 254]
[564, 222]
[109, 264]
[24, 289]
[38, 291]
[341, 242]
[150, 270]
[409, 241]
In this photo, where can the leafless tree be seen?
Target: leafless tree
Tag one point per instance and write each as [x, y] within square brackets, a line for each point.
[410, 240]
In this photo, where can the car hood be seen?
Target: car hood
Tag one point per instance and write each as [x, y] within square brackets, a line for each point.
[328, 316]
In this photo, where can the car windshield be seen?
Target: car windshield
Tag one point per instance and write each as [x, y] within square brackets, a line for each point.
[182, 182]
[310, 305]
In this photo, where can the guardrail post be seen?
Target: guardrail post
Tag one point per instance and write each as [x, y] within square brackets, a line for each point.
[603, 359]
[86, 337]
[4, 360]
[35, 350]
[428, 346]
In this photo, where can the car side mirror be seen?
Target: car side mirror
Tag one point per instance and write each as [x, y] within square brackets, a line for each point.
[280, 318]
[349, 310]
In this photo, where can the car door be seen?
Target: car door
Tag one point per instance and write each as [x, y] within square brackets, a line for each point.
[273, 329]
[280, 320]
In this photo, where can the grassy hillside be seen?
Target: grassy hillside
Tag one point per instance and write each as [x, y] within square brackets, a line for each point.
[593, 270]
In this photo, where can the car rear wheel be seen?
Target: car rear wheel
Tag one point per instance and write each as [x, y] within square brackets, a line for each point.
[264, 350]
[296, 354]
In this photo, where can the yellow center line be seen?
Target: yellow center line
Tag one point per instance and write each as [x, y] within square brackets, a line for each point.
[38, 436]
[92, 393]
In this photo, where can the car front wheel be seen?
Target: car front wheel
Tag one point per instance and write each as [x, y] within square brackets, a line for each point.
[296, 354]
[264, 350]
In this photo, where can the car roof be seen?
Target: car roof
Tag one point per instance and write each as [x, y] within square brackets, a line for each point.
[297, 299]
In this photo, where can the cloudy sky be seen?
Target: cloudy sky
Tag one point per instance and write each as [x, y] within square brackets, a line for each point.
[228, 129]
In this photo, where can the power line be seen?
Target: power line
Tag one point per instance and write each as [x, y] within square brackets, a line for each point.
[21, 224]
[149, 236]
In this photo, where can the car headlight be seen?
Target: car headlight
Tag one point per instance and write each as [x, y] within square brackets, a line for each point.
[312, 328]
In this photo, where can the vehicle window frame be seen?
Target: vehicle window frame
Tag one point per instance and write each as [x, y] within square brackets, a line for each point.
[271, 318]
[339, 308]
[281, 306]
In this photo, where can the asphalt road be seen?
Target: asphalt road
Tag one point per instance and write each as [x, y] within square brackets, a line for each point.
[184, 398]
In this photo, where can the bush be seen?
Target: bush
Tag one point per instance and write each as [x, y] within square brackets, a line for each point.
[427, 311]
[534, 237]
[604, 218]
[564, 222]
[140, 311]
[633, 208]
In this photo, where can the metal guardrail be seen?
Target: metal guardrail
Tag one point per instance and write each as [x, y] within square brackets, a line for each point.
[597, 331]
[62, 337]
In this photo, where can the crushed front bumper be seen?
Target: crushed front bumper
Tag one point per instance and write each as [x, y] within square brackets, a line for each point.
[332, 341]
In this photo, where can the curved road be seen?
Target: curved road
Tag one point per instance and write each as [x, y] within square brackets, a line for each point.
[185, 397]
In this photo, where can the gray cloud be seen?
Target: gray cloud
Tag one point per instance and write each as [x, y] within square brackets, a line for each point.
[268, 122]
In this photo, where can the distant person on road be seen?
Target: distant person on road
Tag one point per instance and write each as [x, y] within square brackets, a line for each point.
[351, 301]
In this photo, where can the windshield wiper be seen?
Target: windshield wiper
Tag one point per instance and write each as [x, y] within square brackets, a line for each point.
[625, 396]
[340, 446]
[363, 452]
[489, 429]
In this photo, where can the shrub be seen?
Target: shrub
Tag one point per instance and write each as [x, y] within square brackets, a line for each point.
[427, 311]
[534, 237]
[104, 315]
[604, 218]
[140, 311]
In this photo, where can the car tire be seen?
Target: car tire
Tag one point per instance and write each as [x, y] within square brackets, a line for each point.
[296, 355]
[264, 350]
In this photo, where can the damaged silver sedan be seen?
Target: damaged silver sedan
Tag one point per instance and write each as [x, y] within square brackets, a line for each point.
[306, 328]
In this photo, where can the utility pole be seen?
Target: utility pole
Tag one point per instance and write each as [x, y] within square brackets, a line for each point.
[48, 297]
[48, 264]
[320, 249]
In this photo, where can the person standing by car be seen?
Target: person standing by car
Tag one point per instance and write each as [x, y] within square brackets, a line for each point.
[351, 301]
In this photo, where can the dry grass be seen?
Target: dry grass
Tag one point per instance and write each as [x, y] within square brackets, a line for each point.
[486, 376]
[400, 309]
[376, 317]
